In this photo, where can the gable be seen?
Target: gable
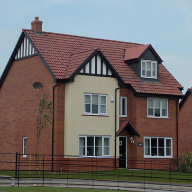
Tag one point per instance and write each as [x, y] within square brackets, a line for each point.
[96, 66]
[25, 49]
[149, 55]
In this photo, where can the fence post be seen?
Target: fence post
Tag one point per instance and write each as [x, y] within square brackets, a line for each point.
[43, 171]
[170, 173]
[144, 174]
[18, 170]
[92, 172]
[118, 178]
[16, 165]
[67, 169]
[151, 168]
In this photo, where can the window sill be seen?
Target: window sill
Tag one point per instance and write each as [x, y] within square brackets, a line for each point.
[83, 156]
[158, 157]
[158, 117]
[144, 77]
[96, 115]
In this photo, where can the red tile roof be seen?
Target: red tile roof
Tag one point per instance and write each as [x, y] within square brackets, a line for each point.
[126, 125]
[135, 52]
[65, 53]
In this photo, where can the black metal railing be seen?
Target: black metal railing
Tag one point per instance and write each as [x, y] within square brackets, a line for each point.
[94, 172]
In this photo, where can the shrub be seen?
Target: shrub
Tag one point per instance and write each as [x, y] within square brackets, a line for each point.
[186, 162]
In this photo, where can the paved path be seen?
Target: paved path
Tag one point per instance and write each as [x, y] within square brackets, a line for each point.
[95, 184]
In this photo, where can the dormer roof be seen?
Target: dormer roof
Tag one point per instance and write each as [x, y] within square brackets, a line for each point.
[137, 52]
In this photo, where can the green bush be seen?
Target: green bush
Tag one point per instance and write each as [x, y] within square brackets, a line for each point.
[186, 162]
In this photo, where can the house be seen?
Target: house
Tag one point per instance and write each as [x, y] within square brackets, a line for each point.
[185, 126]
[112, 99]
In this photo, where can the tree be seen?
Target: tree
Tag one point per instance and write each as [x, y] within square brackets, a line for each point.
[44, 118]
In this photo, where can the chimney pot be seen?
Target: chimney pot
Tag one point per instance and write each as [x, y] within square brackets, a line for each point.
[36, 25]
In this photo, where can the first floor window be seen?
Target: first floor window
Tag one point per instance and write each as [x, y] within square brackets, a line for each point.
[24, 146]
[157, 147]
[95, 104]
[94, 145]
[157, 107]
[123, 107]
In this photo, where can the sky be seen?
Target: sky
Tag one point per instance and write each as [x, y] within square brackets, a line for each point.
[165, 24]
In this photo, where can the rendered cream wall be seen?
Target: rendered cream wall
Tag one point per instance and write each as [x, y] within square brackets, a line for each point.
[77, 124]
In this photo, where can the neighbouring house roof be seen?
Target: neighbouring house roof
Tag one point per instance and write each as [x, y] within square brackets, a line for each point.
[126, 125]
[188, 92]
[65, 54]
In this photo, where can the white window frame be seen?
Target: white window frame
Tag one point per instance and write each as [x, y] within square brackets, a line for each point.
[161, 108]
[24, 147]
[99, 104]
[165, 148]
[121, 106]
[103, 137]
[145, 68]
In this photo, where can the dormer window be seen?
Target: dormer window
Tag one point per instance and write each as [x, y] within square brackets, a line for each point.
[149, 69]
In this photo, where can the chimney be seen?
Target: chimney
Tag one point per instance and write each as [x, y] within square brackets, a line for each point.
[37, 25]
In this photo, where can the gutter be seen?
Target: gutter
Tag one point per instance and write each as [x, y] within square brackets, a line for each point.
[116, 124]
[53, 124]
[177, 127]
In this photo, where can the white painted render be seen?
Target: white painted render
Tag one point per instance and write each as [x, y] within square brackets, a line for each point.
[76, 123]
[98, 69]
[26, 49]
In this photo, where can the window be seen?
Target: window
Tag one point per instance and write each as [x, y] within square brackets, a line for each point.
[157, 107]
[157, 147]
[148, 69]
[95, 104]
[24, 146]
[94, 145]
[123, 107]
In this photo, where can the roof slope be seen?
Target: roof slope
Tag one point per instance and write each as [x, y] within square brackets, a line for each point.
[135, 52]
[188, 92]
[65, 53]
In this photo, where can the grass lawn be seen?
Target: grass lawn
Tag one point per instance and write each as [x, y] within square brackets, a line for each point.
[121, 175]
[49, 189]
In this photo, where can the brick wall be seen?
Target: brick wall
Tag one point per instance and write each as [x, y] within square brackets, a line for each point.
[185, 126]
[18, 102]
[156, 127]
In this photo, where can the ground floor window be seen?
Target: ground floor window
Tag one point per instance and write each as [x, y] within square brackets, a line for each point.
[157, 147]
[24, 146]
[94, 145]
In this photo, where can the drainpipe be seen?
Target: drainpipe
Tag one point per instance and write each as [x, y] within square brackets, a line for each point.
[53, 123]
[116, 123]
[177, 127]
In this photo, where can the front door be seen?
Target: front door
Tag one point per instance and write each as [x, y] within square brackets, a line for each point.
[122, 152]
